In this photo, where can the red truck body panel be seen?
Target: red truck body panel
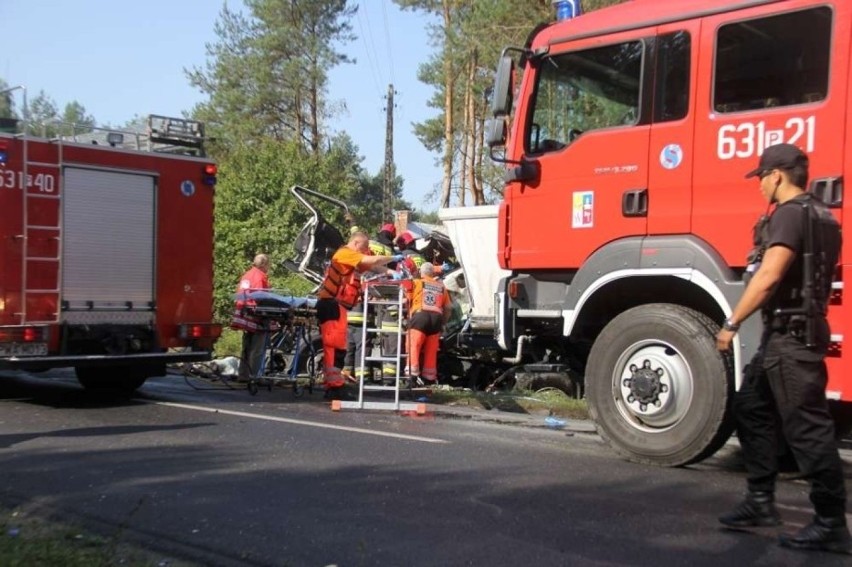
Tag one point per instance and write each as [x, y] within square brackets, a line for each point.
[38, 257]
[691, 169]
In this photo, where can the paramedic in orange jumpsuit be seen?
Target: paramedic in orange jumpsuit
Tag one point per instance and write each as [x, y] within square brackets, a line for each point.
[340, 290]
[429, 313]
[254, 331]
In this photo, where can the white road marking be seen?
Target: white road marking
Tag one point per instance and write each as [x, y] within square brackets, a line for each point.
[302, 422]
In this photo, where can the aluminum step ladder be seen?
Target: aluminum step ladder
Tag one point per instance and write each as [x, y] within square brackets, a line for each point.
[388, 294]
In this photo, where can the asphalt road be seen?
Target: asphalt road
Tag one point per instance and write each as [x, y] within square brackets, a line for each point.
[229, 479]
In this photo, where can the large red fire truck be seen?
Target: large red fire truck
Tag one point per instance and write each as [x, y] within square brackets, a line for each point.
[626, 219]
[106, 248]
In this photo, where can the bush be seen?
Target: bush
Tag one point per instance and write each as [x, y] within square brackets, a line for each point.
[229, 344]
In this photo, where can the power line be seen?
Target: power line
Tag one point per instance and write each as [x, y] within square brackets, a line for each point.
[372, 45]
[373, 67]
[387, 39]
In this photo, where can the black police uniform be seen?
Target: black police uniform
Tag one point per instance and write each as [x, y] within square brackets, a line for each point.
[787, 377]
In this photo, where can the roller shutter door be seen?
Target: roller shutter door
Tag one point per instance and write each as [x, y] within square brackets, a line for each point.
[108, 245]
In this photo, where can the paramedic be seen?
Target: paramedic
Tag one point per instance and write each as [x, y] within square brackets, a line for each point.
[430, 310]
[253, 328]
[340, 290]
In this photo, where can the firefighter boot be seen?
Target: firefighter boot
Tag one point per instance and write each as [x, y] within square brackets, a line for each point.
[757, 510]
[822, 534]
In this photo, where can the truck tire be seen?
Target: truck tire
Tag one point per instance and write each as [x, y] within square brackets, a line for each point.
[658, 390]
[116, 378]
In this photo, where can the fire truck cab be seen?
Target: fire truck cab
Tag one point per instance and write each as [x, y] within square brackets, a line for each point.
[106, 244]
[626, 218]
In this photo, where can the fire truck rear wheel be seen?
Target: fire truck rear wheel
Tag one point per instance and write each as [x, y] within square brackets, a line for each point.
[658, 390]
[120, 379]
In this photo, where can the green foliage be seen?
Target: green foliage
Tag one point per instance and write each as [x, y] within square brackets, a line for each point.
[7, 102]
[471, 35]
[267, 75]
[45, 119]
[230, 343]
[255, 211]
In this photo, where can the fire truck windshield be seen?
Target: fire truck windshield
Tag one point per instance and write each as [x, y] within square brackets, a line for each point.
[585, 90]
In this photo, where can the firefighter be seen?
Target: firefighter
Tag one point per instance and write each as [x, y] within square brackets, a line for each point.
[254, 329]
[352, 368]
[429, 313]
[408, 248]
[385, 236]
[340, 291]
[390, 317]
[785, 382]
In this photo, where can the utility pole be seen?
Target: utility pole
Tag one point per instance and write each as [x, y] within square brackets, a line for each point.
[390, 172]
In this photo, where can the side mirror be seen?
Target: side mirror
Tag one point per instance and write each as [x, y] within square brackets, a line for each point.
[501, 101]
[495, 132]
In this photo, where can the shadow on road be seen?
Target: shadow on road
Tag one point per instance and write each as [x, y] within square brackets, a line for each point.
[8, 440]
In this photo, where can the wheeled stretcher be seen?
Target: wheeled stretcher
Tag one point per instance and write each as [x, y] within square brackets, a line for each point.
[289, 343]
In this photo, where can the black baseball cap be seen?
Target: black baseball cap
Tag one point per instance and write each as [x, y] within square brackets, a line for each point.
[779, 156]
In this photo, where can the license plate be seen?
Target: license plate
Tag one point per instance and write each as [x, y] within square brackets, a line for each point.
[23, 349]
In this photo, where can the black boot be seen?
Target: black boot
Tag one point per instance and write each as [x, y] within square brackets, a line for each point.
[757, 510]
[823, 533]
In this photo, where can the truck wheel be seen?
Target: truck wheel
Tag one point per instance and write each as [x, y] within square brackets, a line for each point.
[658, 390]
[121, 379]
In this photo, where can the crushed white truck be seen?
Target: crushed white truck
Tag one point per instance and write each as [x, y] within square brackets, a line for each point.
[473, 353]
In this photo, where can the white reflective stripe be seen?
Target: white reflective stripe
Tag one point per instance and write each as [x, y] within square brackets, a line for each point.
[836, 285]
[836, 338]
[689, 274]
[833, 395]
[223, 411]
[539, 313]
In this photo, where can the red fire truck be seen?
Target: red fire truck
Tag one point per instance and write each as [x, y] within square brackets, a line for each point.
[107, 253]
[626, 219]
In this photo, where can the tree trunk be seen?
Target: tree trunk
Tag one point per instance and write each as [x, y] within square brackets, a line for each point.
[478, 157]
[314, 117]
[464, 140]
[472, 132]
[449, 85]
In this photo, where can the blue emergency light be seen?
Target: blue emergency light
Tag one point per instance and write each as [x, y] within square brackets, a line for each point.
[567, 9]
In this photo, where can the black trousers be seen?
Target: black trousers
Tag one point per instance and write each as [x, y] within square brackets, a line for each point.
[784, 389]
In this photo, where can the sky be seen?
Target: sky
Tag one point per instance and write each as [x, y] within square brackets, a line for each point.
[125, 58]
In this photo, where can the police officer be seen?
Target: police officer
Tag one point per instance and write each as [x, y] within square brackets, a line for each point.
[786, 379]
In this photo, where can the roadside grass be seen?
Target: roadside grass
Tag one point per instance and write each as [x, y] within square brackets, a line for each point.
[27, 540]
[549, 401]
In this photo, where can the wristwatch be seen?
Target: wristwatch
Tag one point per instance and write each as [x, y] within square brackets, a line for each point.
[729, 325]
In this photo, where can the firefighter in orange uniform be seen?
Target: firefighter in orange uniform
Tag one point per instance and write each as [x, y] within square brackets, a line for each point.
[339, 292]
[430, 310]
[254, 330]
